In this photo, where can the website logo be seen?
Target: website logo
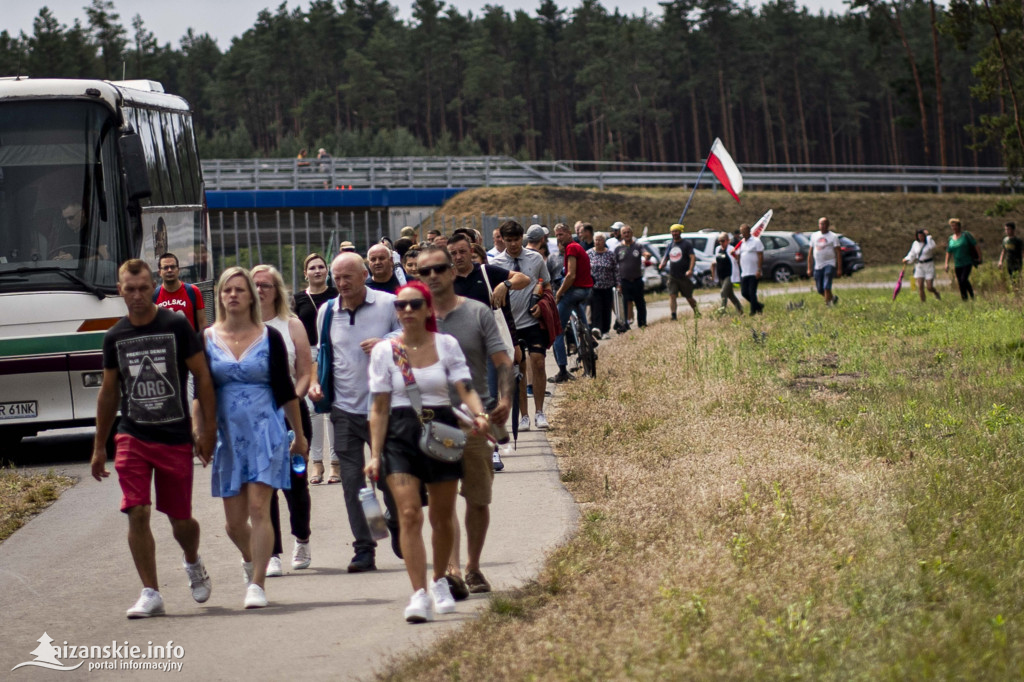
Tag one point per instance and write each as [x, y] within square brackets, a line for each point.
[114, 656]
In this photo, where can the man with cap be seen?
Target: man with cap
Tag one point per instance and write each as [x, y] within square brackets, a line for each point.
[614, 235]
[681, 260]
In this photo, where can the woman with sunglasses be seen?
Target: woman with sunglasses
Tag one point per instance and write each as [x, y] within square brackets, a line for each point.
[436, 363]
[306, 305]
[274, 309]
[248, 362]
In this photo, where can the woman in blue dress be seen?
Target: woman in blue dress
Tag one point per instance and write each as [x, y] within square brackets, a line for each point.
[248, 361]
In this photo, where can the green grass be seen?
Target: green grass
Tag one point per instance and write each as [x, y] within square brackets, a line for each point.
[841, 497]
[23, 496]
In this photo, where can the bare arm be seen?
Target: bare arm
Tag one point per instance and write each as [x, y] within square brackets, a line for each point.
[839, 261]
[106, 410]
[570, 278]
[481, 422]
[200, 320]
[204, 408]
[299, 446]
[380, 413]
[503, 365]
[303, 356]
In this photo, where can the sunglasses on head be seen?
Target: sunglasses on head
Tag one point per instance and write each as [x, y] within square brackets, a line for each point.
[427, 270]
[411, 304]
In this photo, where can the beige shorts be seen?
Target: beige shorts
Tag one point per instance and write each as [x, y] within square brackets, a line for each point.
[477, 470]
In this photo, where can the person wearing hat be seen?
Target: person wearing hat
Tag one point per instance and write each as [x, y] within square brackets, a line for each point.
[614, 235]
[681, 260]
[346, 247]
[408, 231]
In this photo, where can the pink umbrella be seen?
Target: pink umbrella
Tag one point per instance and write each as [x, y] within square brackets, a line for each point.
[899, 283]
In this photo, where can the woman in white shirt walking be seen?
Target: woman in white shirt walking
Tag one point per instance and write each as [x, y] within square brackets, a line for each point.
[922, 255]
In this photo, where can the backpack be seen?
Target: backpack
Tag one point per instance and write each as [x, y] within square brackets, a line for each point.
[190, 291]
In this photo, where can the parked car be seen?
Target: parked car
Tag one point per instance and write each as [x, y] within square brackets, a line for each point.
[701, 269]
[785, 255]
[703, 242]
[853, 256]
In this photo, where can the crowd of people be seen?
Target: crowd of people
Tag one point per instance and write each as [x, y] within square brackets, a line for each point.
[370, 356]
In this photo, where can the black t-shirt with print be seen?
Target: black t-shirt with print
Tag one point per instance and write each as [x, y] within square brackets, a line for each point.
[474, 287]
[154, 376]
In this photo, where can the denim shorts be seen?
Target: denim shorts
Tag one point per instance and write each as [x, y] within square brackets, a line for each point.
[823, 278]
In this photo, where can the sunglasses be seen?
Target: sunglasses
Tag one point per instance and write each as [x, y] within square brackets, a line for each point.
[427, 270]
[411, 304]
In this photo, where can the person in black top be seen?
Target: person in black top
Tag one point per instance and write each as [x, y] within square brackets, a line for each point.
[721, 269]
[383, 276]
[146, 360]
[469, 282]
[307, 303]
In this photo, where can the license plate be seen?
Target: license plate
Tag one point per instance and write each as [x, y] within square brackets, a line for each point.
[28, 409]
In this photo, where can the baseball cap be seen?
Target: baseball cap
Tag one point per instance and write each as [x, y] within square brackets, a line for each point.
[617, 225]
[536, 233]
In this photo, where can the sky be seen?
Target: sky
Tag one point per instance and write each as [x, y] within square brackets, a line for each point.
[225, 19]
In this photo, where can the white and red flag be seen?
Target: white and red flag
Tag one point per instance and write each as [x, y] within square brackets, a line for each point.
[725, 169]
[755, 231]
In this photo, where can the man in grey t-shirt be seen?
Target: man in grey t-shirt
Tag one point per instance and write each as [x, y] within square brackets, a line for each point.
[630, 254]
[527, 317]
[472, 324]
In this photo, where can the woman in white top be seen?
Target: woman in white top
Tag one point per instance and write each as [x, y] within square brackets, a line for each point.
[274, 308]
[922, 255]
[436, 362]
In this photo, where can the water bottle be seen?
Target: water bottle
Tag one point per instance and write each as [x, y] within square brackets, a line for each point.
[298, 461]
[538, 293]
[374, 517]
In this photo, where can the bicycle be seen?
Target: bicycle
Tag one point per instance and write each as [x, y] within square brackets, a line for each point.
[584, 350]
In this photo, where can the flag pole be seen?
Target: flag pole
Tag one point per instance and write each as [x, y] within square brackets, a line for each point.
[694, 191]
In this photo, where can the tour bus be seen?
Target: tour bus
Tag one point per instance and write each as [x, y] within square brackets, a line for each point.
[91, 173]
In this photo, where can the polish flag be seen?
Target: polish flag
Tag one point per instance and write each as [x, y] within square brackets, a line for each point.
[755, 231]
[724, 168]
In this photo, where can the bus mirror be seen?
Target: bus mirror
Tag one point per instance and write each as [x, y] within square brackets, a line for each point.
[133, 160]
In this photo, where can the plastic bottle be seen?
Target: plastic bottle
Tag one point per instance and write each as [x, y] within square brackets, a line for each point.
[538, 292]
[298, 461]
[374, 517]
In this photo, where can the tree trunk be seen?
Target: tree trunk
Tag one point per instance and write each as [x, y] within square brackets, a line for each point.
[939, 106]
[724, 125]
[831, 130]
[769, 134]
[1008, 76]
[800, 115]
[695, 119]
[917, 79]
[892, 129]
[782, 128]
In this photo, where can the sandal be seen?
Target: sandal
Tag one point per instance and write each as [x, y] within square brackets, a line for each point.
[335, 476]
[318, 473]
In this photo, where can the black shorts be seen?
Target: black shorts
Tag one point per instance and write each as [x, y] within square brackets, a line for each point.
[402, 453]
[535, 339]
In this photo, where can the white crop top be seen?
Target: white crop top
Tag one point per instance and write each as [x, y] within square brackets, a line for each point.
[433, 381]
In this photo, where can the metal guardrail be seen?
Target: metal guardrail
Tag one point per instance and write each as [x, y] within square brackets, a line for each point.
[497, 171]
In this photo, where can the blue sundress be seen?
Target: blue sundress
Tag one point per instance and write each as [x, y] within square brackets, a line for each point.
[252, 438]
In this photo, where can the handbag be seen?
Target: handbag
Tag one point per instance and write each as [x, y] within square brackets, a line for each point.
[439, 441]
[325, 363]
[499, 317]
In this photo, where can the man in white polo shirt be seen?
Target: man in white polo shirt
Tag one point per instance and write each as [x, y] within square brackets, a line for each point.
[360, 317]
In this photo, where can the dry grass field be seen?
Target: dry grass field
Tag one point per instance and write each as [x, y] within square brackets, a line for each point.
[817, 494]
[883, 223]
[22, 496]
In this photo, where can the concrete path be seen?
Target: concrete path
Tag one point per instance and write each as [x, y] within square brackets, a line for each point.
[69, 573]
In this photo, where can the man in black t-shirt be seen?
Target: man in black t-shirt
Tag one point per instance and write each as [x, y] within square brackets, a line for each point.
[681, 259]
[146, 360]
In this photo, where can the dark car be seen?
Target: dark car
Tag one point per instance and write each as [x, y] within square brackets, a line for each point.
[785, 255]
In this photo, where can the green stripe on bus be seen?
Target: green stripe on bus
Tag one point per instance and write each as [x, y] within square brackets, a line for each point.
[48, 345]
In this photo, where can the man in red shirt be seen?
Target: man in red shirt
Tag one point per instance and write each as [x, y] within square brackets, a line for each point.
[179, 296]
[573, 293]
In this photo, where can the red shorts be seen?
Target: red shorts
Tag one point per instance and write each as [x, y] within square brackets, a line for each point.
[136, 460]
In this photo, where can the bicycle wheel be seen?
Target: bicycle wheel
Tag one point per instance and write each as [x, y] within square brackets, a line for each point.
[573, 332]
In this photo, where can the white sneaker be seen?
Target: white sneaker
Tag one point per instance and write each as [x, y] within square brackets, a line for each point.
[255, 598]
[247, 571]
[420, 608]
[274, 568]
[524, 423]
[150, 603]
[444, 602]
[301, 556]
[198, 580]
[541, 421]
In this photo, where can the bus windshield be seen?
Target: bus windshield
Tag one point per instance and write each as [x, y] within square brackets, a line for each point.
[61, 207]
